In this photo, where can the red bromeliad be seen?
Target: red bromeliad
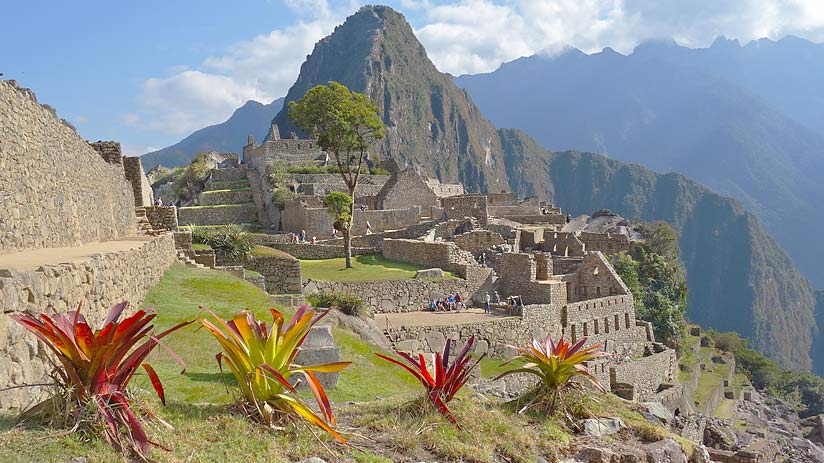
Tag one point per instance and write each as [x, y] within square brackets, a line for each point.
[445, 380]
[97, 366]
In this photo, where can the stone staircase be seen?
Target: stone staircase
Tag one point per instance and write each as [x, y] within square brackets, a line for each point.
[227, 199]
[182, 257]
[144, 227]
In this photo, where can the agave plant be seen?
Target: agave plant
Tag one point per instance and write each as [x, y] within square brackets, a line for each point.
[445, 380]
[263, 361]
[555, 364]
[95, 367]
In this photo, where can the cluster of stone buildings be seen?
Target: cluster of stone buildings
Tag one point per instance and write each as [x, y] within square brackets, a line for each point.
[77, 227]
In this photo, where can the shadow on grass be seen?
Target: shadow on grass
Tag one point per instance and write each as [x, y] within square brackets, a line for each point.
[227, 379]
[197, 411]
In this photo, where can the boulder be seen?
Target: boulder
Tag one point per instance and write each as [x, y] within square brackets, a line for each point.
[657, 410]
[665, 451]
[719, 437]
[429, 274]
[600, 427]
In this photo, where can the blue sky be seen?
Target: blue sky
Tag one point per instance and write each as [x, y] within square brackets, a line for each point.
[149, 72]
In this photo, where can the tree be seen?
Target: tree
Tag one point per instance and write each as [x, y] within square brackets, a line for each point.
[345, 124]
[338, 205]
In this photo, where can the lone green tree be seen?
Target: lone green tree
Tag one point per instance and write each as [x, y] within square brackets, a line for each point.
[339, 205]
[345, 124]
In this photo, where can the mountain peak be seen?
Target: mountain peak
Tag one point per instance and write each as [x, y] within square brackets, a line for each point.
[721, 42]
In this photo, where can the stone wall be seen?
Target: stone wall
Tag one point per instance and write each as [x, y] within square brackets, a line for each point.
[477, 241]
[645, 374]
[594, 278]
[546, 219]
[317, 251]
[458, 207]
[96, 283]
[317, 222]
[55, 190]
[491, 336]
[505, 207]
[565, 265]
[405, 188]
[276, 149]
[215, 215]
[162, 217]
[609, 321]
[322, 184]
[608, 243]
[217, 197]
[563, 244]
[282, 273]
[141, 188]
[518, 277]
[402, 295]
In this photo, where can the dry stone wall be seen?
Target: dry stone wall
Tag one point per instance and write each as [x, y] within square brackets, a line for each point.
[317, 251]
[97, 284]
[317, 222]
[162, 217]
[405, 188]
[217, 215]
[76, 196]
[458, 207]
[141, 188]
[281, 273]
[645, 374]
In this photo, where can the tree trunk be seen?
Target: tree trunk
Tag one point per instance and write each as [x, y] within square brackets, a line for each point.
[347, 233]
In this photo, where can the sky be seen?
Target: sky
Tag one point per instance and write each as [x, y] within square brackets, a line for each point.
[148, 73]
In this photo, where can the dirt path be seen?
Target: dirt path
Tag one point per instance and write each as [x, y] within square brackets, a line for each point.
[29, 260]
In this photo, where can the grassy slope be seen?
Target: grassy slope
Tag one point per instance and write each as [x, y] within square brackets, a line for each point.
[364, 268]
[208, 429]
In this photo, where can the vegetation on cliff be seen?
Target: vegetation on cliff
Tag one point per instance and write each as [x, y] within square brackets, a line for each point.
[658, 282]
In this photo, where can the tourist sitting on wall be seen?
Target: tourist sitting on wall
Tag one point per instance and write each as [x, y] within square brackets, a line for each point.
[314, 240]
[432, 305]
[159, 201]
[363, 207]
[459, 304]
[450, 302]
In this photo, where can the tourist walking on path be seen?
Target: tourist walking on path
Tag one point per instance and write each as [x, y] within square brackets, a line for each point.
[368, 228]
[303, 236]
[487, 308]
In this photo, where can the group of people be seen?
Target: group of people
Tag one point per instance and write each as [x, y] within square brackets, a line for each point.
[451, 302]
[301, 238]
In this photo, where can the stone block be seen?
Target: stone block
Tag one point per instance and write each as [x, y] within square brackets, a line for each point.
[430, 274]
[435, 340]
[318, 348]
[600, 427]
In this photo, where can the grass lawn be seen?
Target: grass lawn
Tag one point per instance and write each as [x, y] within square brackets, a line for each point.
[201, 247]
[364, 268]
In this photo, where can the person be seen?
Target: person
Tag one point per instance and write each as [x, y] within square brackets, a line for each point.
[368, 228]
[293, 238]
[484, 261]
[497, 298]
[334, 232]
[487, 308]
[432, 305]
[459, 302]
[450, 302]
[303, 236]
[568, 218]
[314, 240]
[159, 201]
[363, 207]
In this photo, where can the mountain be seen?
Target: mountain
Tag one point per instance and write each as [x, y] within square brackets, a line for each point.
[430, 121]
[671, 115]
[739, 278]
[227, 137]
[818, 336]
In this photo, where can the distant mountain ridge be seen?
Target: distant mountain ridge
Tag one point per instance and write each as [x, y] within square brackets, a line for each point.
[691, 111]
[739, 278]
[227, 137]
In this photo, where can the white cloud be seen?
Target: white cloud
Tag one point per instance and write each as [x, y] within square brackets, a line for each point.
[262, 68]
[471, 36]
[136, 150]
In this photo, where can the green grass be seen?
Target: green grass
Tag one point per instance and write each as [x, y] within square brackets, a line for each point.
[208, 192]
[252, 274]
[201, 247]
[364, 268]
[229, 185]
[220, 205]
[272, 252]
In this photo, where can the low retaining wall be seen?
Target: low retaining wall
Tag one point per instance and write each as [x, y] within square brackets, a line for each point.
[218, 215]
[491, 336]
[400, 295]
[282, 274]
[317, 251]
[97, 283]
[645, 374]
[162, 217]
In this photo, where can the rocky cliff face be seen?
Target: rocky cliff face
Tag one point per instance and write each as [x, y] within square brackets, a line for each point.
[430, 121]
[739, 278]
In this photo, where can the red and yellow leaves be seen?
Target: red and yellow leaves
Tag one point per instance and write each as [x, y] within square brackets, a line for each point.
[445, 380]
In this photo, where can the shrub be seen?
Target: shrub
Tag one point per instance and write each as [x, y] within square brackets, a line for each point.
[555, 365]
[346, 303]
[262, 359]
[200, 235]
[445, 380]
[379, 171]
[95, 367]
[281, 195]
[233, 242]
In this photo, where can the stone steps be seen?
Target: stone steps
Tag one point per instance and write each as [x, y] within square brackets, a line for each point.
[245, 213]
[181, 256]
[218, 197]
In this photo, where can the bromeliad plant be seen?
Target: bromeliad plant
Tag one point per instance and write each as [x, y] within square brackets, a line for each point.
[95, 367]
[445, 380]
[555, 364]
[262, 360]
